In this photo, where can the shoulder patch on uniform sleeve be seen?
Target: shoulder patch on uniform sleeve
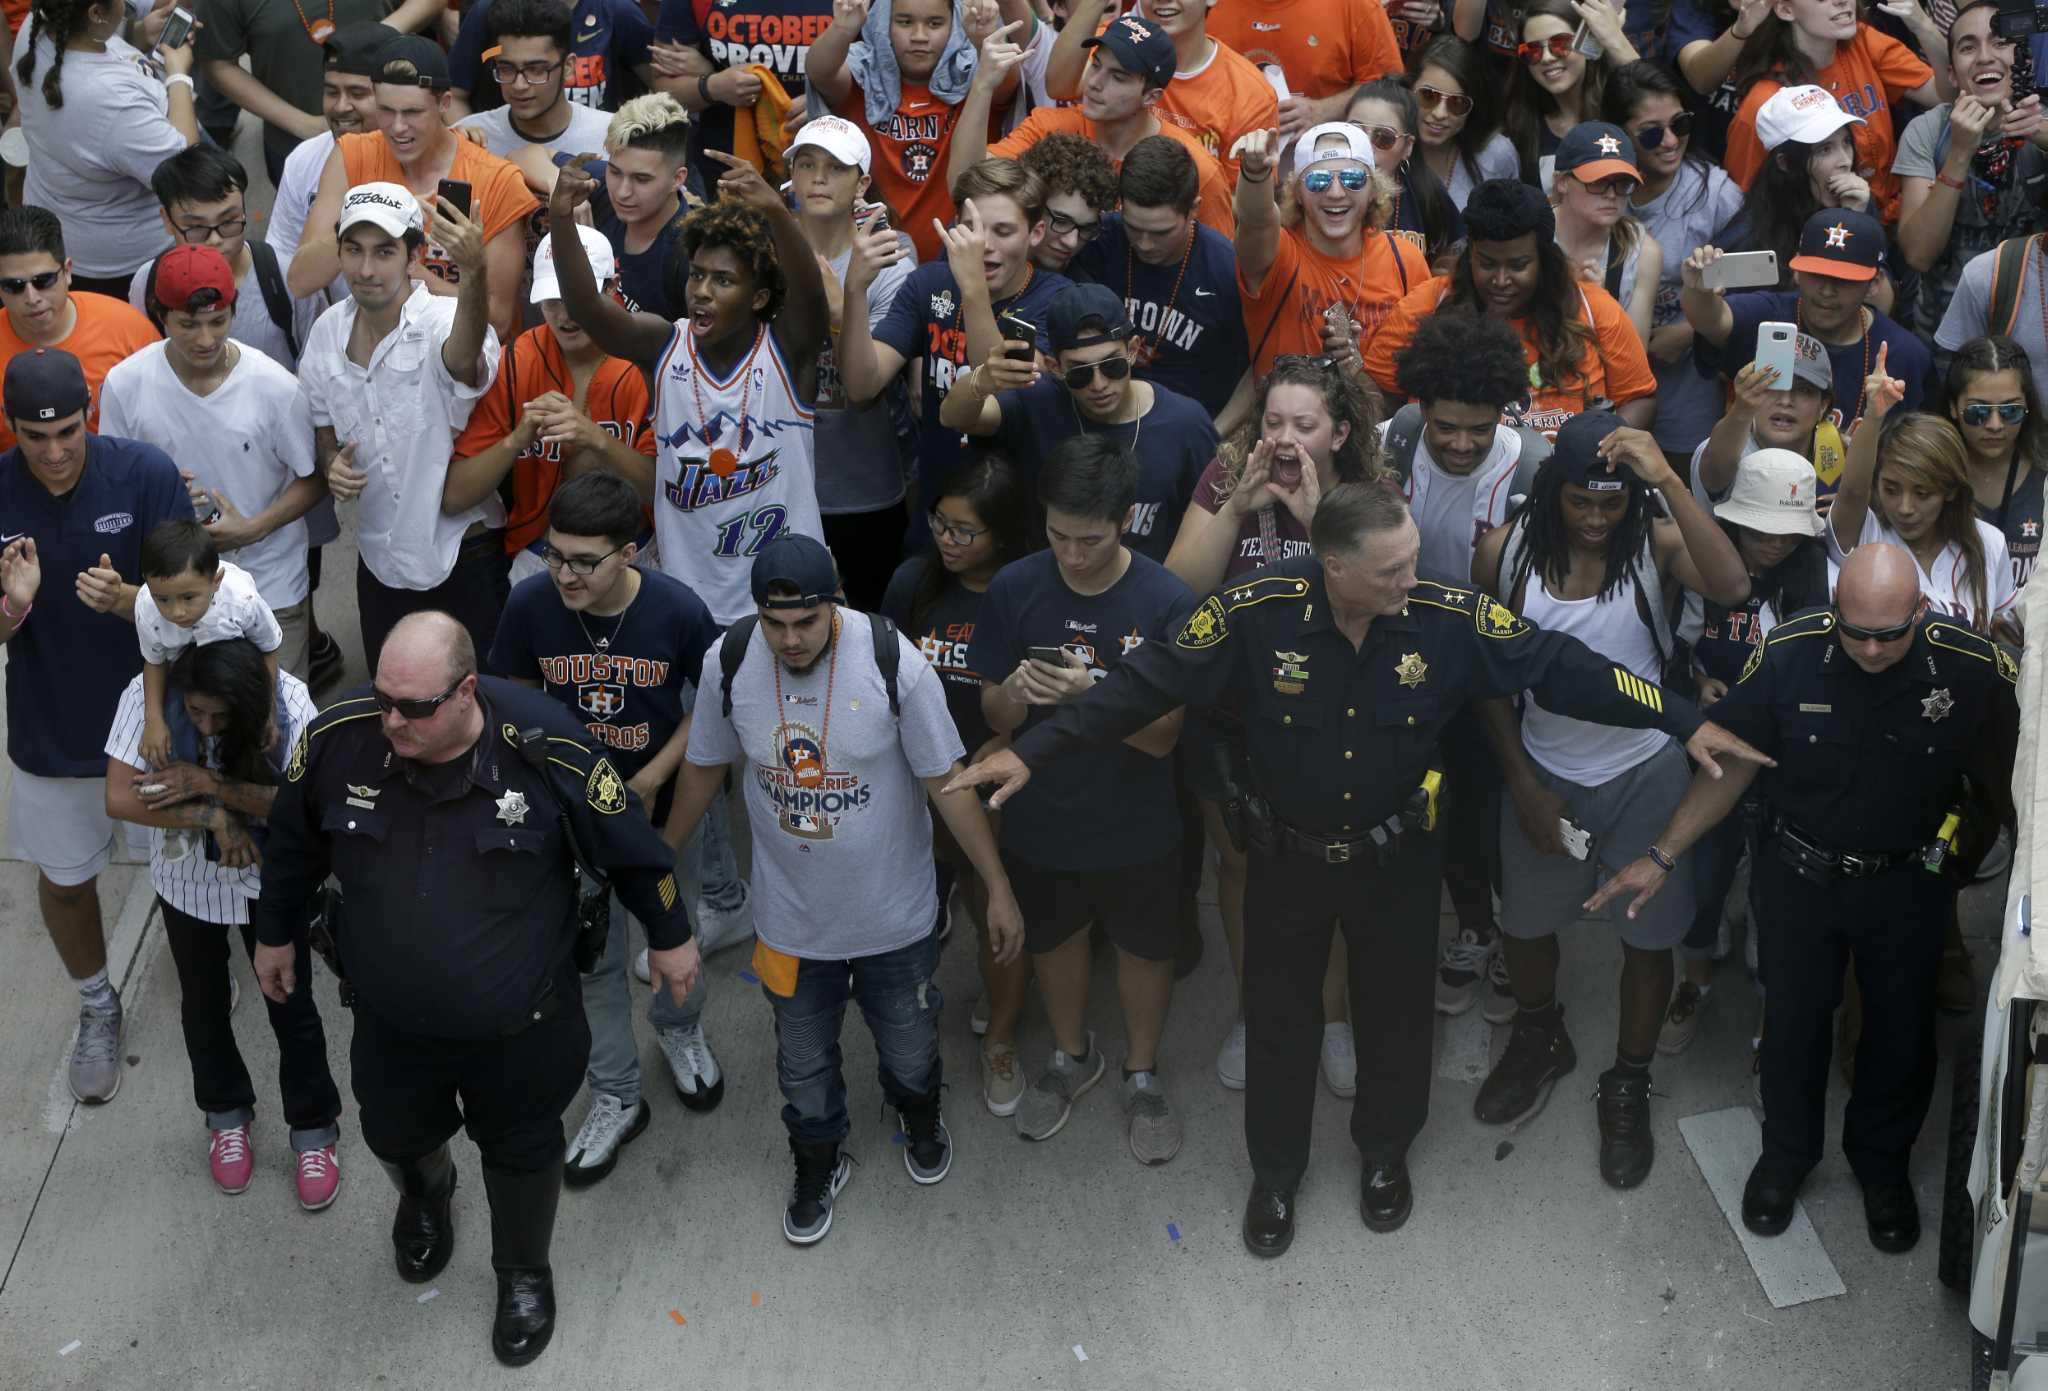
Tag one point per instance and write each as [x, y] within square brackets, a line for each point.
[1493, 619]
[1954, 637]
[1756, 659]
[2008, 668]
[1205, 626]
[604, 789]
[296, 769]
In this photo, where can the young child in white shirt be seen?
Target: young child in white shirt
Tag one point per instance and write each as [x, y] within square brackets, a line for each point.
[189, 597]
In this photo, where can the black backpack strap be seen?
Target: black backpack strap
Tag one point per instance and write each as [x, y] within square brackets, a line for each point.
[888, 655]
[277, 297]
[732, 650]
[1615, 265]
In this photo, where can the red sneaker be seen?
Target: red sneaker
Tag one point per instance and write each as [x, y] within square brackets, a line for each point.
[319, 1178]
[229, 1159]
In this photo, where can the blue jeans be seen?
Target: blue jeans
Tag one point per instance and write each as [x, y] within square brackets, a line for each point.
[706, 864]
[614, 1067]
[897, 994]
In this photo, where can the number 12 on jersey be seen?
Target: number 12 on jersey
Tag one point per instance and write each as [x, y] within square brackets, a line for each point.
[733, 534]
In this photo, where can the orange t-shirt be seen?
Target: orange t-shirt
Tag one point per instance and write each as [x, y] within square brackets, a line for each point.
[1213, 204]
[1324, 46]
[1219, 103]
[107, 330]
[908, 154]
[532, 366]
[1286, 314]
[1615, 366]
[1870, 72]
[498, 192]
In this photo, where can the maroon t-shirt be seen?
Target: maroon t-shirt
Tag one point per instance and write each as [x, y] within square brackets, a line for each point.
[1269, 535]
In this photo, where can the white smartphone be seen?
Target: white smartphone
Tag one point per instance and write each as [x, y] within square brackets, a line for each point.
[1742, 270]
[1276, 77]
[1584, 44]
[1578, 842]
[1774, 348]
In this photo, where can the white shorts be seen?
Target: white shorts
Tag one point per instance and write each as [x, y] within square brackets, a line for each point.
[61, 826]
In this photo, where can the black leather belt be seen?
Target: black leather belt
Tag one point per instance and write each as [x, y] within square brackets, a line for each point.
[1805, 850]
[1381, 842]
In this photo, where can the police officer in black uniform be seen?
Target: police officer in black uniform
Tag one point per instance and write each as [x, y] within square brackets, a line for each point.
[1876, 715]
[1346, 668]
[445, 829]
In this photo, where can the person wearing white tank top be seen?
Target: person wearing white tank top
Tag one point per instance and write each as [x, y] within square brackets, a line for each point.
[1589, 556]
[735, 384]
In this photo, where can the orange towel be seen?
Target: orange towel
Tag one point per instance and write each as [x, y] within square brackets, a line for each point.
[777, 970]
[759, 141]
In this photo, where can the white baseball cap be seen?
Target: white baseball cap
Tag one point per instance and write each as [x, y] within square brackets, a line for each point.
[548, 285]
[1807, 114]
[388, 206]
[837, 137]
[1776, 492]
[1356, 145]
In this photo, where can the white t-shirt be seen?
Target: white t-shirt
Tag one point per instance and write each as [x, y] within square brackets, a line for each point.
[250, 439]
[1446, 519]
[237, 611]
[842, 833]
[583, 135]
[1946, 585]
[295, 192]
[253, 324]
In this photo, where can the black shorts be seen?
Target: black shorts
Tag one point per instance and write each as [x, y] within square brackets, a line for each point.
[1134, 904]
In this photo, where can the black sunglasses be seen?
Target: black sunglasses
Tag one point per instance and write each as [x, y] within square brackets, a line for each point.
[415, 709]
[1680, 126]
[1113, 369]
[1851, 631]
[42, 280]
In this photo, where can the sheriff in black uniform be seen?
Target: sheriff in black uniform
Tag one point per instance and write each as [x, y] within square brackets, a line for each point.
[458, 933]
[1347, 669]
[1875, 715]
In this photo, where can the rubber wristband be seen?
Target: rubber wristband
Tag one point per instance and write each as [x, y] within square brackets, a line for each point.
[17, 619]
[704, 89]
[1247, 178]
[1661, 860]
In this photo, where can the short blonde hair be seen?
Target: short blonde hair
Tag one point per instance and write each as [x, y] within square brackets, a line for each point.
[656, 121]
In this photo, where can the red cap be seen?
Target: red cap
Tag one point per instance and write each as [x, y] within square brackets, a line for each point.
[193, 278]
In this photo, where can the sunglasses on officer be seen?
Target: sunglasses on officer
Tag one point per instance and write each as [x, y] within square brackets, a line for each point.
[1679, 127]
[1319, 180]
[415, 709]
[1855, 634]
[2009, 413]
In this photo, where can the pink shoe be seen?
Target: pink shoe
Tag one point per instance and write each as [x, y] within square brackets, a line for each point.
[229, 1158]
[319, 1178]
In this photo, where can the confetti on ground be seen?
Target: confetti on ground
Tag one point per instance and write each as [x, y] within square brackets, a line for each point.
[1079, 1356]
[1173, 1231]
[73, 1346]
[757, 1299]
[749, 977]
[428, 1295]
[677, 1315]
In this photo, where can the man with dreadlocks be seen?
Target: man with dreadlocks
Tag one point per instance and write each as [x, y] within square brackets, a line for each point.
[1587, 556]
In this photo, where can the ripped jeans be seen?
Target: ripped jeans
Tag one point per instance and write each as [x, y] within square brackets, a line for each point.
[897, 994]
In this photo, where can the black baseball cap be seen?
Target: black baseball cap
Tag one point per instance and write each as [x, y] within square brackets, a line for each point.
[1577, 453]
[357, 49]
[1074, 306]
[1503, 209]
[1842, 243]
[45, 384]
[1139, 46]
[1595, 150]
[796, 562]
[429, 63]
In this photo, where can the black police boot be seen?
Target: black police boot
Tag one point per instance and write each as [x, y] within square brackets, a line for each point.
[522, 1227]
[1893, 1215]
[1385, 1197]
[1767, 1200]
[423, 1232]
[1269, 1221]
[1538, 1053]
[1627, 1147]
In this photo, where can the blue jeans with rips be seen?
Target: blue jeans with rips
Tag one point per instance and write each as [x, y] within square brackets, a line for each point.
[900, 999]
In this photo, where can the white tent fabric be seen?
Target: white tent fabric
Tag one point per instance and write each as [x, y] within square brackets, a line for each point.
[2023, 957]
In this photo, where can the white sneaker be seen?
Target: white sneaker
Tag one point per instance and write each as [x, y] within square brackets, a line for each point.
[1230, 1058]
[699, 1082]
[719, 928]
[1340, 1060]
[606, 1130]
[641, 970]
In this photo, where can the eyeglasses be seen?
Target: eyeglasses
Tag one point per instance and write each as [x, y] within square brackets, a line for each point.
[415, 709]
[42, 280]
[577, 564]
[1430, 98]
[1321, 364]
[1113, 369]
[954, 532]
[1856, 634]
[1556, 46]
[532, 73]
[1613, 186]
[1318, 180]
[1679, 127]
[1383, 137]
[1060, 225]
[196, 233]
[2009, 413]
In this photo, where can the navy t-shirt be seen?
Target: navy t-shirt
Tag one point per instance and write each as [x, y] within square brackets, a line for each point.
[629, 697]
[66, 665]
[1174, 442]
[1106, 808]
[1908, 359]
[943, 634]
[1192, 324]
[925, 321]
[643, 275]
[611, 40]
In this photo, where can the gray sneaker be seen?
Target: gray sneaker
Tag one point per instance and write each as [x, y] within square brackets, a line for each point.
[1045, 1108]
[1154, 1130]
[96, 1055]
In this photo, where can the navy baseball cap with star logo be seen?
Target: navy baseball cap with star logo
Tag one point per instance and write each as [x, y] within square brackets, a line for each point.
[1139, 46]
[1594, 150]
[1841, 243]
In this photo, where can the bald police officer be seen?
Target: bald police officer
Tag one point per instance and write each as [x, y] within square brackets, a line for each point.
[1855, 863]
[442, 802]
[1346, 668]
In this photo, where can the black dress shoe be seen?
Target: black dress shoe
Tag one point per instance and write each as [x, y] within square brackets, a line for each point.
[1767, 1201]
[1893, 1214]
[526, 1315]
[1386, 1197]
[1269, 1221]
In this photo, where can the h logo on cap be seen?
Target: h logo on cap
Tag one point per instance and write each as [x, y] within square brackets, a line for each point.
[1609, 145]
[1838, 235]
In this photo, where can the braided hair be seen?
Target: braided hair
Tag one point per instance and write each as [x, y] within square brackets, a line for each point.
[60, 20]
[1547, 550]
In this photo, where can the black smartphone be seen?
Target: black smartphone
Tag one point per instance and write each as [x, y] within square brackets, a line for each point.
[453, 193]
[1051, 656]
[1016, 328]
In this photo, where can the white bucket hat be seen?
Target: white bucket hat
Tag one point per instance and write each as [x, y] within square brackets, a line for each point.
[1776, 492]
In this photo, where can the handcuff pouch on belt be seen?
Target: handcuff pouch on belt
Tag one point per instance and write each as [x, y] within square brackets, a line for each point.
[1233, 776]
[1819, 865]
[592, 919]
[323, 926]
